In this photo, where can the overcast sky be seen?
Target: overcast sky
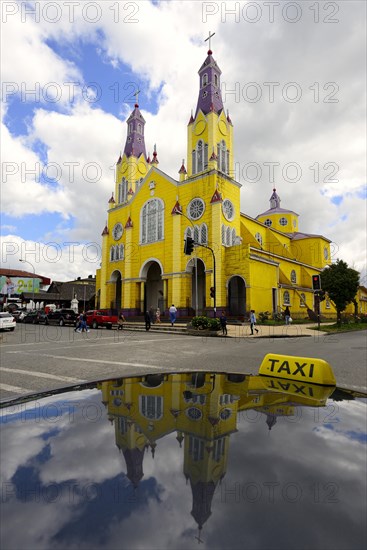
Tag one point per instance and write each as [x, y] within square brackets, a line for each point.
[293, 80]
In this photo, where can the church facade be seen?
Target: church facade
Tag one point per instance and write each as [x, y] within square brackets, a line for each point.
[239, 263]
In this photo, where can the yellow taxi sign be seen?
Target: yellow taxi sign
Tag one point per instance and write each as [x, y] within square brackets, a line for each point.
[316, 371]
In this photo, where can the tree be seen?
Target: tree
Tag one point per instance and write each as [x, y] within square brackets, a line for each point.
[341, 283]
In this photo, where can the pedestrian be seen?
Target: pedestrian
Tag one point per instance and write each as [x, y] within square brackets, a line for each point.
[76, 325]
[79, 322]
[152, 315]
[287, 315]
[253, 321]
[223, 323]
[120, 321]
[172, 314]
[84, 326]
[147, 320]
[158, 316]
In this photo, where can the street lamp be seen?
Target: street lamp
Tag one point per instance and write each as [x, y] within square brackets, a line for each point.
[34, 275]
[178, 211]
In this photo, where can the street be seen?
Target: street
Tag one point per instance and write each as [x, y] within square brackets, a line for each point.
[38, 358]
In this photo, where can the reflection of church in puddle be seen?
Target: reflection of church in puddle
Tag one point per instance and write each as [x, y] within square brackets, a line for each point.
[202, 409]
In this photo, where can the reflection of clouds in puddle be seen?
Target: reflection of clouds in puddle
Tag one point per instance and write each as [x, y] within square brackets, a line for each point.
[157, 514]
[34, 523]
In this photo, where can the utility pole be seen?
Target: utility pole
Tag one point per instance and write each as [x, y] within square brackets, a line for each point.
[196, 263]
[34, 275]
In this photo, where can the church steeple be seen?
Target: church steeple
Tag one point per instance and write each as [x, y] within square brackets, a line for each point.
[275, 200]
[210, 130]
[210, 97]
[135, 144]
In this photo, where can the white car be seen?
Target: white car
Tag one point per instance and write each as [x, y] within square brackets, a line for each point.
[7, 321]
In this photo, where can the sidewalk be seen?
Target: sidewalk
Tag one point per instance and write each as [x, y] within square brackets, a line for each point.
[274, 331]
[236, 331]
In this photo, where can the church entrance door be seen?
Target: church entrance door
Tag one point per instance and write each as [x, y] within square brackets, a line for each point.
[237, 296]
[116, 279]
[153, 296]
[201, 301]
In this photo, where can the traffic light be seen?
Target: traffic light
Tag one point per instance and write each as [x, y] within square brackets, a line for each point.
[321, 295]
[316, 282]
[189, 246]
[212, 292]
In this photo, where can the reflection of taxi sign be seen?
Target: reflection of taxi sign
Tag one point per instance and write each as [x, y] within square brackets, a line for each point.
[291, 367]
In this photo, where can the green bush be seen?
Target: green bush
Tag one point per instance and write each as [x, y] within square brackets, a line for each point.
[201, 322]
[264, 316]
[214, 324]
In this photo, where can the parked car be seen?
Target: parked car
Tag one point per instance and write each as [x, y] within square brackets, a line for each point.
[101, 318]
[34, 317]
[18, 315]
[61, 317]
[7, 321]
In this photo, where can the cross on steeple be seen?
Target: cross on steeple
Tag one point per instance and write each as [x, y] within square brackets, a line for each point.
[209, 38]
[136, 94]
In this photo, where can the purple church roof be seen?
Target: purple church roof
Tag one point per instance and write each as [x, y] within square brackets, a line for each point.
[210, 97]
[275, 206]
[135, 144]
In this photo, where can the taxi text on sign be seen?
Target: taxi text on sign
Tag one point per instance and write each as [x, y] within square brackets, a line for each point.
[316, 371]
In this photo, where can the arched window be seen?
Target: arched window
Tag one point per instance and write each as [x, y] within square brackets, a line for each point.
[151, 221]
[200, 157]
[219, 444]
[215, 80]
[223, 157]
[112, 253]
[130, 127]
[259, 238]
[223, 234]
[121, 251]
[122, 191]
[205, 79]
[286, 298]
[203, 234]
[228, 236]
[302, 302]
[293, 276]
[188, 232]
[196, 234]
[196, 448]
[151, 406]
[233, 237]
[139, 128]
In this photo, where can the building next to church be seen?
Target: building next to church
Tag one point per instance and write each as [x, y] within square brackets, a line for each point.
[263, 263]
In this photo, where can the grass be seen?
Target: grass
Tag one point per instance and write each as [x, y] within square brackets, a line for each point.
[344, 327]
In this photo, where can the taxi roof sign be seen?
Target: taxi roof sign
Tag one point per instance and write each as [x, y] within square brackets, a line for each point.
[305, 369]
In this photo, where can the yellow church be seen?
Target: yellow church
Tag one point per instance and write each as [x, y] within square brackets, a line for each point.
[239, 263]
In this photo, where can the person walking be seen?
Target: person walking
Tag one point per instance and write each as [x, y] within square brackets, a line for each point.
[172, 314]
[152, 315]
[78, 326]
[223, 323]
[158, 316]
[84, 326]
[147, 320]
[253, 321]
[120, 322]
[287, 315]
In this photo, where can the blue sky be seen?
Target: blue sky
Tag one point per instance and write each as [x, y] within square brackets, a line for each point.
[158, 47]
